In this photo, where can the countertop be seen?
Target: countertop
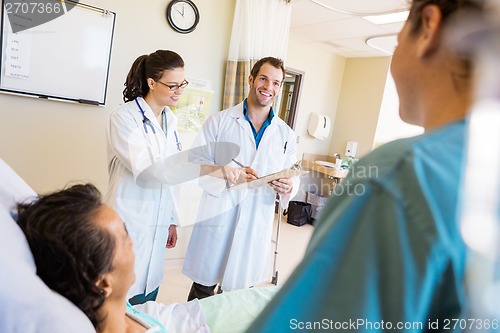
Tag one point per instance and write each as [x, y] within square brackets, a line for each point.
[332, 172]
[308, 162]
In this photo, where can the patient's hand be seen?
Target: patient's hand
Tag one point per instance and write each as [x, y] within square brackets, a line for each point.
[172, 236]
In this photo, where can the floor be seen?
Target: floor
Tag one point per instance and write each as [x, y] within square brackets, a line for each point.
[292, 243]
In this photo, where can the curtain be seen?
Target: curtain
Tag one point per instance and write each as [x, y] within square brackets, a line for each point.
[260, 29]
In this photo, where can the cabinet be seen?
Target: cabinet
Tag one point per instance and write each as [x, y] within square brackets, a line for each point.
[321, 179]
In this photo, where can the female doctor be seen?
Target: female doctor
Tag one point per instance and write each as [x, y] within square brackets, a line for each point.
[142, 133]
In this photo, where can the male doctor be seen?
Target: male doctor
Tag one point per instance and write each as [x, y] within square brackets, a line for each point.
[230, 243]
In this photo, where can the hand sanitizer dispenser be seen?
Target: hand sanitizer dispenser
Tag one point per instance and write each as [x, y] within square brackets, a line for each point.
[351, 148]
[319, 126]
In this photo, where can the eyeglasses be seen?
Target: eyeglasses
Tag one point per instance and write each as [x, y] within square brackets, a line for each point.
[175, 86]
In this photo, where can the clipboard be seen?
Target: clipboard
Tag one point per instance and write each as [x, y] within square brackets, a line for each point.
[285, 173]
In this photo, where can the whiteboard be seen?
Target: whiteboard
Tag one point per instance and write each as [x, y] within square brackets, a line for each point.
[67, 58]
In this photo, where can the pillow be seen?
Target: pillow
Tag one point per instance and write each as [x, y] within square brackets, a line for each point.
[13, 189]
[27, 304]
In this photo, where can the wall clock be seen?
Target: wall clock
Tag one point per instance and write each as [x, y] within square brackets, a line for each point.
[183, 15]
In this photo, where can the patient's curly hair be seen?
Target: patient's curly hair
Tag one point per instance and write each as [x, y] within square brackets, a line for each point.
[71, 252]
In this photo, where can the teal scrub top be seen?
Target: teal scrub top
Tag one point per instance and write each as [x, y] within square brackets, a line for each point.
[386, 249]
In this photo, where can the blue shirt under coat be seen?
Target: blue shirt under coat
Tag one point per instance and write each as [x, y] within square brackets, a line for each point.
[258, 136]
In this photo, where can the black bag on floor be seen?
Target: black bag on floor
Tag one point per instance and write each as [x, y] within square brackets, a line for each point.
[299, 213]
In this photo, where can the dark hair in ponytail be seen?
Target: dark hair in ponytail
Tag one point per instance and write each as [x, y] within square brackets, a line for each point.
[149, 66]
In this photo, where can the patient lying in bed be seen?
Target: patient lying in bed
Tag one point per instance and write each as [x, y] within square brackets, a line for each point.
[27, 304]
[103, 280]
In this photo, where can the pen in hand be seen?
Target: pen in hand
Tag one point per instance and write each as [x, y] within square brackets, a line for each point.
[239, 164]
[251, 174]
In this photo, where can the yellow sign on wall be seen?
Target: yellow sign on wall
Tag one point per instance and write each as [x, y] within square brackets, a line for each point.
[193, 108]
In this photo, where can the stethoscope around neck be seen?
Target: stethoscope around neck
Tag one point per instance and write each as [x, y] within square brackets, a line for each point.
[147, 122]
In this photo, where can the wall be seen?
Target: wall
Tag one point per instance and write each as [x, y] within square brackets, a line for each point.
[390, 126]
[320, 93]
[336, 95]
[359, 104]
[51, 143]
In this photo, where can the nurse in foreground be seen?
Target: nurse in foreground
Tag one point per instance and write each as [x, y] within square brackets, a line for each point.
[392, 258]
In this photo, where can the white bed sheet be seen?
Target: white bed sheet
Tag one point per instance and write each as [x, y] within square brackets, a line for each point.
[234, 311]
[230, 312]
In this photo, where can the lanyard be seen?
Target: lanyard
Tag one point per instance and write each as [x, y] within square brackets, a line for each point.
[164, 120]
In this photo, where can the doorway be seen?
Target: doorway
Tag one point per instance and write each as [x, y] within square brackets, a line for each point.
[290, 95]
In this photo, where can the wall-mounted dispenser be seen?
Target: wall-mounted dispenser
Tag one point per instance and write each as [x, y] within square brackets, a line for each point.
[319, 126]
[351, 148]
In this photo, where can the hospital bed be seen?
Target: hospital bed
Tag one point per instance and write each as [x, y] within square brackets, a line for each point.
[27, 305]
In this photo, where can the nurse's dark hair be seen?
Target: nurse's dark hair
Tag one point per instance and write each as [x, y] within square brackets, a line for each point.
[275, 62]
[149, 66]
[448, 8]
[71, 251]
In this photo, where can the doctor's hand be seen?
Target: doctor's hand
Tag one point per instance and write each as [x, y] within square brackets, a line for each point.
[250, 174]
[282, 185]
[172, 236]
[239, 175]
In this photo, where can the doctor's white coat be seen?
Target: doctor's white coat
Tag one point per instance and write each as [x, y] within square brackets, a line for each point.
[138, 187]
[231, 241]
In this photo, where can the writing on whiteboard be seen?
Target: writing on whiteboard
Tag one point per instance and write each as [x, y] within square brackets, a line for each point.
[17, 55]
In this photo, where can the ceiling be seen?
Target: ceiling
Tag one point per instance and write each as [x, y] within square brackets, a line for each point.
[342, 29]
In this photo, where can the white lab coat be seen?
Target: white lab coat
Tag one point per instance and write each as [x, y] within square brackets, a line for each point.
[138, 187]
[231, 240]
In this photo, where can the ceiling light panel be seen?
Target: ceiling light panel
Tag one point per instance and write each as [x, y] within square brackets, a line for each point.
[364, 7]
[349, 28]
[388, 18]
